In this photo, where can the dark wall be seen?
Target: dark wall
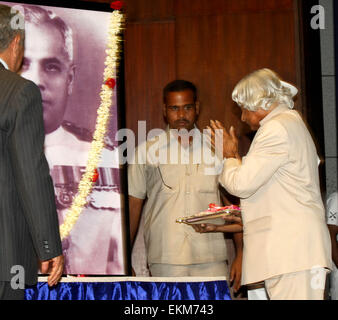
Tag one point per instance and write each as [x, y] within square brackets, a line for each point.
[214, 44]
[211, 43]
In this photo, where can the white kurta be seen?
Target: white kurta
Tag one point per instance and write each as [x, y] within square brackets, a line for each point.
[283, 213]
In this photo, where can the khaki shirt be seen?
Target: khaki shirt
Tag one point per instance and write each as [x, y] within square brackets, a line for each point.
[175, 190]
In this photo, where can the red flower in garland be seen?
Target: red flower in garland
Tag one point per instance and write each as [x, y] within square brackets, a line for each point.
[117, 5]
[95, 176]
[110, 83]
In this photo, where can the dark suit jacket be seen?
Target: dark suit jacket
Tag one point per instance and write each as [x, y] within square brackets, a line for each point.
[29, 228]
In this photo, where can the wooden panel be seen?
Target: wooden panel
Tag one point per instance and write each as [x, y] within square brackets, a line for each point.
[149, 66]
[212, 7]
[215, 53]
[138, 10]
[217, 42]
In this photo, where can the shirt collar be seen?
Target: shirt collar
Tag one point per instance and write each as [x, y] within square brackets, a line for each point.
[54, 137]
[196, 134]
[4, 63]
[277, 110]
[195, 131]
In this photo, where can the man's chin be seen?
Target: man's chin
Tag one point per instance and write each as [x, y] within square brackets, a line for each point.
[184, 127]
[49, 128]
[254, 128]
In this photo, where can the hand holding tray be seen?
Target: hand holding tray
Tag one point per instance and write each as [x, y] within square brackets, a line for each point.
[213, 215]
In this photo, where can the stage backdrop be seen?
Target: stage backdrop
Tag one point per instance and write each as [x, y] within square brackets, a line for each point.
[64, 56]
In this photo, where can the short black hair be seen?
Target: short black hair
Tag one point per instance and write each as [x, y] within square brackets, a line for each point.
[179, 85]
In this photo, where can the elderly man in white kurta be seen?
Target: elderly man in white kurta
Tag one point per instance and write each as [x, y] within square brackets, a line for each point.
[286, 240]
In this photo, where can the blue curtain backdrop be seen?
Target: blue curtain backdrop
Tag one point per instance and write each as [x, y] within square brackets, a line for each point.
[130, 290]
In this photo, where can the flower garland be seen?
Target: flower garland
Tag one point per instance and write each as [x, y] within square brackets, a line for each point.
[90, 175]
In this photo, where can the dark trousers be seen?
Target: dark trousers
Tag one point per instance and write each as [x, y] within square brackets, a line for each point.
[8, 293]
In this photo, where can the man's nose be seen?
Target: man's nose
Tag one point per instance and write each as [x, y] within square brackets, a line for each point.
[242, 117]
[181, 113]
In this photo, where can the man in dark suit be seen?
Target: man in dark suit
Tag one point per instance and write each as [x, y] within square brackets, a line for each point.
[29, 229]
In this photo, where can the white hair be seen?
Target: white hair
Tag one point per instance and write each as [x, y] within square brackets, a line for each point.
[261, 89]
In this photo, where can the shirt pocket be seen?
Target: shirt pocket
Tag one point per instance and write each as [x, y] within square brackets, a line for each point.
[170, 177]
[206, 182]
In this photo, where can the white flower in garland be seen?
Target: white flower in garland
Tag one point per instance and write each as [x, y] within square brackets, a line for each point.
[103, 114]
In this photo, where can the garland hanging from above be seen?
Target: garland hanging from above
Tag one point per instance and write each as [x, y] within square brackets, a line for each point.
[103, 113]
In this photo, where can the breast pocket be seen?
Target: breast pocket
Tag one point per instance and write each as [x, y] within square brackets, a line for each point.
[207, 180]
[170, 176]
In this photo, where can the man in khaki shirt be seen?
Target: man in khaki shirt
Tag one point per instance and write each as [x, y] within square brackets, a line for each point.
[168, 180]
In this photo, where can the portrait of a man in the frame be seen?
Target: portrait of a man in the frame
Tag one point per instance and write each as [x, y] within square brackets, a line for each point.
[58, 65]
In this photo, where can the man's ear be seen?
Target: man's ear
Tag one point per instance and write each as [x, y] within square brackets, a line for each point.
[164, 110]
[14, 53]
[17, 39]
[70, 80]
[197, 106]
[15, 43]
